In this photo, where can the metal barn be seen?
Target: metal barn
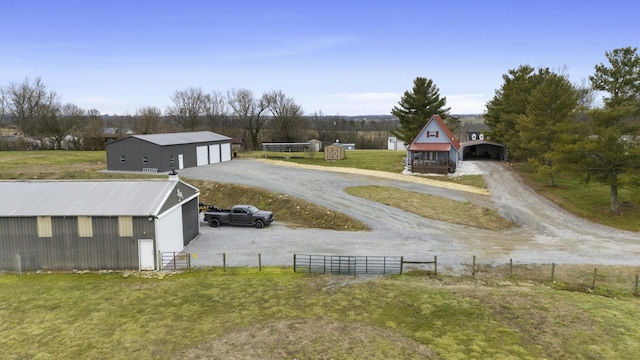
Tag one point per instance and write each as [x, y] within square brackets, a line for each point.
[96, 225]
[166, 152]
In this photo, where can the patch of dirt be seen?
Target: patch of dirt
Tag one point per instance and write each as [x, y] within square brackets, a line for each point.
[305, 339]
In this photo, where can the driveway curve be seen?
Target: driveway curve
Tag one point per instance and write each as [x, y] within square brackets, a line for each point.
[547, 234]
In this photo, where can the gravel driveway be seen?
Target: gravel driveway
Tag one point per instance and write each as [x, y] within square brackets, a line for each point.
[547, 234]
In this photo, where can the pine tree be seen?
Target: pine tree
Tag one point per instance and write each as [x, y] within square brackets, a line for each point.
[415, 108]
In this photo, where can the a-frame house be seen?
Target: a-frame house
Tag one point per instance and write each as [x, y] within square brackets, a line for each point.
[434, 150]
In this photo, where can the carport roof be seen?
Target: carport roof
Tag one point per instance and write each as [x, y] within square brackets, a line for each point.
[83, 198]
[182, 138]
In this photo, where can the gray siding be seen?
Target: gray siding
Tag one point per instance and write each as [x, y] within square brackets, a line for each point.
[65, 250]
[190, 221]
[158, 156]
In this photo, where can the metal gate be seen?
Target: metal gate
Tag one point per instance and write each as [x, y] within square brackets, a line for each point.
[347, 265]
[175, 261]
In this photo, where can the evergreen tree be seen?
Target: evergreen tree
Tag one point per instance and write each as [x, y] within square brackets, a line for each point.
[610, 154]
[547, 122]
[509, 104]
[415, 108]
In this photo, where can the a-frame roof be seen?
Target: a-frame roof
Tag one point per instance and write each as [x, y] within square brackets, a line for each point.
[449, 139]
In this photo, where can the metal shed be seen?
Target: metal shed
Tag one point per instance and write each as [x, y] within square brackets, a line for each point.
[96, 225]
[165, 152]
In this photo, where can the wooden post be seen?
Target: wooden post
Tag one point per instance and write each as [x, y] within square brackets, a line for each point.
[553, 270]
[260, 262]
[224, 262]
[595, 272]
[510, 268]
[401, 262]
[473, 266]
[636, 291]
[435, 264]
[294, 262]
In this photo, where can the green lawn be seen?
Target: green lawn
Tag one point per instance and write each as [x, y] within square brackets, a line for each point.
[278, 314]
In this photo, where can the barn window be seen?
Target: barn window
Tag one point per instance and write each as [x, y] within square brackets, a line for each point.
[122, 159]
[44, 226]
[125, 226]
[172, 159]
[145, 159]
[85, 226]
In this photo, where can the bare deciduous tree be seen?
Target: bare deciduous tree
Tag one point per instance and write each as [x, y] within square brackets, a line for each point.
[189, 108]
[147, 120]
[249, 112]
[30, 103]
[63, 120]
[216, 112]
[286, 115]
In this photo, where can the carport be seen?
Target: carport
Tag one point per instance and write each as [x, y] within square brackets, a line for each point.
[483, 149]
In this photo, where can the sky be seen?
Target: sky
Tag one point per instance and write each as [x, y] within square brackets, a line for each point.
[348, 57]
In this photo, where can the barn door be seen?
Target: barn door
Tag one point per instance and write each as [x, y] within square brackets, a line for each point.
[145, 254]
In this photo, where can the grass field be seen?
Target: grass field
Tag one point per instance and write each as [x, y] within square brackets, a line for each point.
[242, 313]
[278, 314]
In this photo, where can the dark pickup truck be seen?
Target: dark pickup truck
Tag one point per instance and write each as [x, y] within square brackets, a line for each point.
[238, 215]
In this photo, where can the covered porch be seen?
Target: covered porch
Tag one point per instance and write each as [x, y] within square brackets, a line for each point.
[431, 159]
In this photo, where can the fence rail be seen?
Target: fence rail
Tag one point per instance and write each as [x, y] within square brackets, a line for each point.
[347, 265]
[175, 261]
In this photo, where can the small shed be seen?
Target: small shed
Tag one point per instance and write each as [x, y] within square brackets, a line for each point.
[334, 152]
[97, 225]
[165, 152]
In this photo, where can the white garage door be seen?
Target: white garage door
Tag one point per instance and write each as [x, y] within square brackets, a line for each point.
[225, 150]
[201, 153]
[214, 154]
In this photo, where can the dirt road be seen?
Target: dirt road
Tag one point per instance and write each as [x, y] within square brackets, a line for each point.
[546, 233]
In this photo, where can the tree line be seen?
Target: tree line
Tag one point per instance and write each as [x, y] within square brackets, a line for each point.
[39, 114]
[553, 124]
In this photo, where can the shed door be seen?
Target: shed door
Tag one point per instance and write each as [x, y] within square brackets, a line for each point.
[225, 151]
[202, 155]
[214, 154]
[180, 161]
[145, 254]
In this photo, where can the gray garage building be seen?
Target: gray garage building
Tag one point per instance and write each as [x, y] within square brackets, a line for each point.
[165, 152]
[96, 225]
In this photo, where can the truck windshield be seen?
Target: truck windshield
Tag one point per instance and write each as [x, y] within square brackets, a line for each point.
[252, 209]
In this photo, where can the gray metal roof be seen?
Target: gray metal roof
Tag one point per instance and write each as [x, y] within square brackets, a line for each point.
[182, 138]
[89, 198]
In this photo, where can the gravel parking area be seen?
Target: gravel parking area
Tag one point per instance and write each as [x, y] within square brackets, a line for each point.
[547, 234]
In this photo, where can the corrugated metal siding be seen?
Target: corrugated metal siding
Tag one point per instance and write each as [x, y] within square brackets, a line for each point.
[133, 150]
[65, 250]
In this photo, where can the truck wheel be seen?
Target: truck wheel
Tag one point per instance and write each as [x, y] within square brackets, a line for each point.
[259, 224]
[214, 222]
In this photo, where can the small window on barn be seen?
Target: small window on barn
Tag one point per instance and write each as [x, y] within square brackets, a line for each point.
[44, 226]
[172, 159]
[145, 159]
[125, 226]
[85, 226]
[122, 159]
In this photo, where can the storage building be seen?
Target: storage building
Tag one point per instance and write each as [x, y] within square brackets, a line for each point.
[166, 152]
[96, 225]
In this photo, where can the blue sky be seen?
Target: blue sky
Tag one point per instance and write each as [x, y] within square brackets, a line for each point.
[339, 57]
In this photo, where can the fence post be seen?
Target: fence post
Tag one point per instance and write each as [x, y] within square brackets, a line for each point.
[435, 264]
[473, 266]
[553, 270]
[636, 291]
[260, 262]
[595, 272]
[510, 268]
[224, 262]
[294, 262]
[401, 263]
